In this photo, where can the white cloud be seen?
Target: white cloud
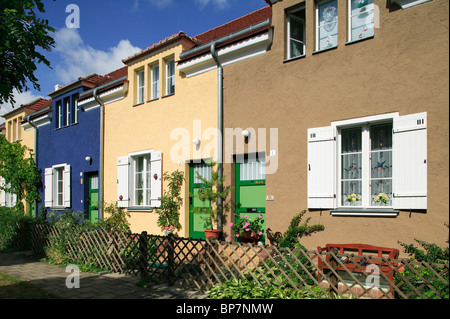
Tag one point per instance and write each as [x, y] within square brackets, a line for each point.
[21, 98]
[79, 59]
[219, 4]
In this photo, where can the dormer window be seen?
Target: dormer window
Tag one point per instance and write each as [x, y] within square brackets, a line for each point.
[140, 87]
[67, 111]
[59, 114]
[361, 19]
[155, 82]
[296, 40]
[170, 77]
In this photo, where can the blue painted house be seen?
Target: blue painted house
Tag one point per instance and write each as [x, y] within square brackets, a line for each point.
[68, 149]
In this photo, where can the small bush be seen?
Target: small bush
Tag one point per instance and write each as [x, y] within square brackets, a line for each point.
[429, 253]
[247, 288]
[10, 219]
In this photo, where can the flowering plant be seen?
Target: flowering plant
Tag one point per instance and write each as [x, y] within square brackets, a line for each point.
[381, 198]
[352, 198]
[168, 230]
[244, 224]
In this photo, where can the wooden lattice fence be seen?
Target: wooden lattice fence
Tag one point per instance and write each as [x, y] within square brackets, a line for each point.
[201, 264]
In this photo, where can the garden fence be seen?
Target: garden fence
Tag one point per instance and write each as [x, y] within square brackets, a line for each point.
[201, 264]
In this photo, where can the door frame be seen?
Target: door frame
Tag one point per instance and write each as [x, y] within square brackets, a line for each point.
[89, 192]
[240, 211]
[192, 233]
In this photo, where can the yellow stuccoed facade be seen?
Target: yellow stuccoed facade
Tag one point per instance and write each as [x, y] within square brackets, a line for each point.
[14, 132]
[168, 123]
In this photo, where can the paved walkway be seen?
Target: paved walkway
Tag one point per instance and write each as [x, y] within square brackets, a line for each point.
[52, 278]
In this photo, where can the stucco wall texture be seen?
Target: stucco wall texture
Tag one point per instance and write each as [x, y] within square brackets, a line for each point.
[403, 68]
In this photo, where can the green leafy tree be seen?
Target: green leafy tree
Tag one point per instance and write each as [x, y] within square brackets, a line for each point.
[22, 34]
[19, 171]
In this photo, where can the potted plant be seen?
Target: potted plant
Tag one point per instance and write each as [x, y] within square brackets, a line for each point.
[210, 194]
[248, 230]
[169, 211]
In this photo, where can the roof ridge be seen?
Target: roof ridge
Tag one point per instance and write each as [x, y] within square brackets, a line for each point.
[163, 41]
[233, 22]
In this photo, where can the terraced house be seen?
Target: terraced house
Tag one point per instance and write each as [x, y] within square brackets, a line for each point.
[68, 149]
[17, 129]
[362, 117]
[168, 120]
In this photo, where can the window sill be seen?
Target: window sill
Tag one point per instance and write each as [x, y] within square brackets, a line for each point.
[325, 50]
[167, 95]
[359, 40]
[294, 58]
[140, 209]
[365, 212]
[138, 104]
[155, 99]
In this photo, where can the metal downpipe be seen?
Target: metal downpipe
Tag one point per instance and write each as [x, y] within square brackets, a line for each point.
[219, 128]
[100, 173]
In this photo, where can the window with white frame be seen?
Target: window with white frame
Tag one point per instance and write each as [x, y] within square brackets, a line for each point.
[326, 24]
[59, 114]
[155, 81]
[170, 77]
[139, 180]
[57, 188]
[6, 199]
[142, 180]
[76, 108]
[374, 163]
[366, 165]
[140, 87]
[361, 19]
[67, 111]
[296, 40]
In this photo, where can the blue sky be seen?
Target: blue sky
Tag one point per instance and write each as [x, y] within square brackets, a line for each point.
[110, 30]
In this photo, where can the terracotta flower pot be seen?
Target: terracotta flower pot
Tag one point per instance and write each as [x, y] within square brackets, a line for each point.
[212, 233]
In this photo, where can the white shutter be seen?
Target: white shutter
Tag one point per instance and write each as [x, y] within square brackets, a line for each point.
[156, 183]
[2, 193]
[123, 167]
[13, 200]
[48, 187]
[410, 161]
[321, 168]
[66, 185]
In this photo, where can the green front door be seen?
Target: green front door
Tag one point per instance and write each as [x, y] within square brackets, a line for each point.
[250, 188]
[198, 222]
[93, 198]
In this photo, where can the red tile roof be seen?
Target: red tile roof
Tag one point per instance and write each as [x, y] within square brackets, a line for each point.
[123, 71]
[235, 25]
[230, 28]
[31, 107]
[158, 45]
[90, 80]
[109, 78]
[38, 104]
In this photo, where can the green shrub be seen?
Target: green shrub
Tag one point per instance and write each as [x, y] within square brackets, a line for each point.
[116, 219]
[247, 288]
[10, 219]
[431, 254]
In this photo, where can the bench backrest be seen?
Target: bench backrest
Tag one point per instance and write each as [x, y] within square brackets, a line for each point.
[361, 249]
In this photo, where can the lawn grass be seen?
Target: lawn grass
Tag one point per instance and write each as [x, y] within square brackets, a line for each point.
[13, 288]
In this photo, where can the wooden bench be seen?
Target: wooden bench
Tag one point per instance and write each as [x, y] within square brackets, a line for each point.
[360, 249]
